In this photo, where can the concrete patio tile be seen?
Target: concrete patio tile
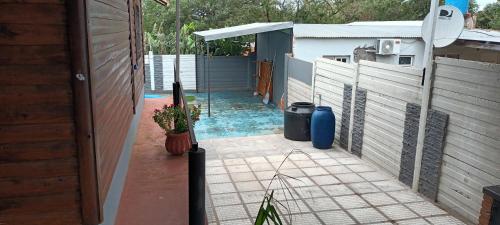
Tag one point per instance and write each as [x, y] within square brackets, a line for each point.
[349, 178]
[359, 168]
[238, 168]
[310, 192]
[219, 178]
[314, 171]
[285, 194]
[246, 176]
[337, 190]
[338, 169]
[321, 204]
[221, 188]
[249, 186]
[253, 209]
[215, 162]
[306, 219]
[293, 172]
[349, 161]
[397, 212]
[275, 158]
[296, 206]
[226, 199]
[425, 209]
[325, 180]
[389, 185]
[232, 212]
[327, 162]
[259, 159]
[379, 199]
[418, 221]
[261, 167]
[252, 196]
[237, 222]
[351, 201]
[300, 182]
[215, 170]
[305, 163]
[298, 156]
[275, 185]
[335, 217]
[231, 162]
[319, 155]
[265, 175]
[362, 188]
[405, 196]
[337, 152]
[284, 165]
[445, 220]
[367, 215]
[374, 176]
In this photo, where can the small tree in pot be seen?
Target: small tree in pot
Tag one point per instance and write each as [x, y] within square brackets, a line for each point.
[173, 120]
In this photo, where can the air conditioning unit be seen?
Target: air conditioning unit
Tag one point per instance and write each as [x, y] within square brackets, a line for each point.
[388, 46]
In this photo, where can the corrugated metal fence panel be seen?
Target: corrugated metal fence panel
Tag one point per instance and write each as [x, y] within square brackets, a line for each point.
[390, 88]
[329, 79]
[470, 93]
[226, 73]
[187, 72]
[300, 70]
[298, 91]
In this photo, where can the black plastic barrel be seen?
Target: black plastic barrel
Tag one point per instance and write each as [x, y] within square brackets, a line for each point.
[298, 121]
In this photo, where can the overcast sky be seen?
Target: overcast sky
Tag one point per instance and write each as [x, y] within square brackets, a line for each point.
[483, 3]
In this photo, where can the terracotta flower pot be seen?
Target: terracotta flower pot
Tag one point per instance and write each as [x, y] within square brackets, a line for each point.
[178, 144]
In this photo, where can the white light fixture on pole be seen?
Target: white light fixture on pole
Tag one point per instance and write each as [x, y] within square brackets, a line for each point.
[442, 26]
[428, 52]
[177, 39]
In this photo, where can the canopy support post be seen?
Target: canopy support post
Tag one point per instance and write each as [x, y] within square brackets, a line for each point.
[208, 76]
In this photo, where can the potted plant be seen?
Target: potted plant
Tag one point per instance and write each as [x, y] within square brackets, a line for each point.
[173, 120]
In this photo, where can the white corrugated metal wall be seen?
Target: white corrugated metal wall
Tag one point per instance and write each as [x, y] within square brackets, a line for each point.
[466, 90]
[470, 93]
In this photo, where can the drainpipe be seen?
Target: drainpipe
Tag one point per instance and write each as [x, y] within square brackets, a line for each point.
[428, 52]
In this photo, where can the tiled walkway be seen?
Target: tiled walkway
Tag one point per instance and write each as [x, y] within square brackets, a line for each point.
[335, 187]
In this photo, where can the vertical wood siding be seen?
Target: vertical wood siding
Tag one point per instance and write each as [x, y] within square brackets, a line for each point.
[111, 79]
[470, 93]
[39, 181]
[329, 78]
[389, 89]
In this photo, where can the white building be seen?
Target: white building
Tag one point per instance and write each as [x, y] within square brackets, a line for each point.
[338, 42]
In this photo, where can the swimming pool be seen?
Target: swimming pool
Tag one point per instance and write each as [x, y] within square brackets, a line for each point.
[236, 114]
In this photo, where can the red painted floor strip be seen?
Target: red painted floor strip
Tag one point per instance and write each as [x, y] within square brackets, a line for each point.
[156, 189]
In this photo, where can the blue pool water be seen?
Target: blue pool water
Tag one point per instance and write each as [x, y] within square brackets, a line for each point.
[153, 96]
[236, 114]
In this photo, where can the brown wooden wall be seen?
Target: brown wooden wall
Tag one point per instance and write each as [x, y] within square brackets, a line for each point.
[39, 181]
[111, 81]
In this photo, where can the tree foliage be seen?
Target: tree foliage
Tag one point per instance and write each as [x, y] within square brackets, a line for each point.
[489, 17]
[159, 21]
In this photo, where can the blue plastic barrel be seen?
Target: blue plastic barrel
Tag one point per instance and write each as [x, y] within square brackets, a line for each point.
[322, 127]
[463, 5]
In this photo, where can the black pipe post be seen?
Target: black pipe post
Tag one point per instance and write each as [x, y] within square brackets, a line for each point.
[197, 186]
[176, 89]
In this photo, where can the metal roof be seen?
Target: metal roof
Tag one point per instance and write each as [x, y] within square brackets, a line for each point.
[383, 29]
[236, 31]
[480, 35]
[355, 31]
[390, 23]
